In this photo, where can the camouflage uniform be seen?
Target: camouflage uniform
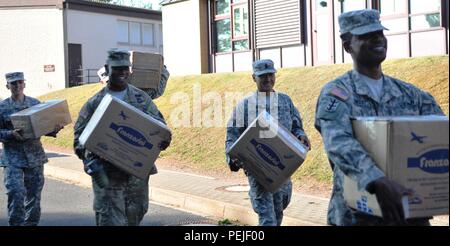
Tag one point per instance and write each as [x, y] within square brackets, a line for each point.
[23, 167]
[269, 206]
[157, 92]
[125, 200]
[346, 97]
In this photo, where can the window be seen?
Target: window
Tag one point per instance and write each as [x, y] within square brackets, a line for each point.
[122, 31]
[147, 34]
[425, 14]
[350, 5]
[135, 33]
[394, 15]
[410, 15]
[222, 7]
[231, 25]
[393, 7]
[223, 35]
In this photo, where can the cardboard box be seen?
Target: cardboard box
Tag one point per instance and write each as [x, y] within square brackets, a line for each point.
[412, 151]
[270, 152]
[124, 136]
[146, 69]
[145, 79]
[41, 119]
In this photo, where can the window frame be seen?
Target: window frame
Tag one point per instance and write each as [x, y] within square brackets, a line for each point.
[152, 34]
[230, 16]
[141, 33]
[128, 32]
[408, 15]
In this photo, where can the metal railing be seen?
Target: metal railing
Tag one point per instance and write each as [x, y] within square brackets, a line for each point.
[82, 76]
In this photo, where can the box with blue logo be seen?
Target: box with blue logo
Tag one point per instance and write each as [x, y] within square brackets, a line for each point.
[125, 136]
[269, 151]
[411, 150]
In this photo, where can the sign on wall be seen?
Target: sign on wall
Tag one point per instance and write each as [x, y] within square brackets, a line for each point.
[49, 68]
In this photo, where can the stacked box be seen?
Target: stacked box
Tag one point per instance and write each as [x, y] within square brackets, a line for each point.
[41, 119]
[146, 69]
[413, 151]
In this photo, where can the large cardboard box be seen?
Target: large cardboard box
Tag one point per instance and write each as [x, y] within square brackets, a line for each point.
[412, 151]
[124, 136]
[41, 119]
[269, 151]
[146, 69]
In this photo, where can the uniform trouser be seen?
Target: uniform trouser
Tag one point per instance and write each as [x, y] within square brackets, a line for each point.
[24, 187]
[124, 202]
[368, 220]
[269, 206]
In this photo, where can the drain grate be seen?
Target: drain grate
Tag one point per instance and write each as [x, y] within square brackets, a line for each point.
[235, 188]
[197, 222]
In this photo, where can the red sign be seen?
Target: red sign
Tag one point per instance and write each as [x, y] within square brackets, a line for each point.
[49, 68]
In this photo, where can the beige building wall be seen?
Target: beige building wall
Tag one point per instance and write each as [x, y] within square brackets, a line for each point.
[97, 33]
[185, 37]
[35, 38]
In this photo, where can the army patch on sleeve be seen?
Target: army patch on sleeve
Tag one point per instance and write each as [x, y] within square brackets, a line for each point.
[330, 108]
[339, 93]
[332, 105]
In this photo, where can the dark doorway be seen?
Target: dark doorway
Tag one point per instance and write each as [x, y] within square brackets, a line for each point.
[75, 65]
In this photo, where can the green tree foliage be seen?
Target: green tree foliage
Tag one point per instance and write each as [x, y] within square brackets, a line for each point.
[134, 3]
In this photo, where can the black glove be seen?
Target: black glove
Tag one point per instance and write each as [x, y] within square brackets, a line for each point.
[95, 169]
[235, 165]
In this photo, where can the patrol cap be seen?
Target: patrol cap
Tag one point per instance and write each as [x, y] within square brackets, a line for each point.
[118, 58]
[360, 22]
[263, 66]
[14, 76]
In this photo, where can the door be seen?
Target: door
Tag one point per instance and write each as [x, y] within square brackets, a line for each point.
[323, 32]
[75, 65]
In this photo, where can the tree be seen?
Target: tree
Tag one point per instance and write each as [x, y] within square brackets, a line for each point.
[135, 3]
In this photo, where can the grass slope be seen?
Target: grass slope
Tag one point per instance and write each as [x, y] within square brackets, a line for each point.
[203, 147]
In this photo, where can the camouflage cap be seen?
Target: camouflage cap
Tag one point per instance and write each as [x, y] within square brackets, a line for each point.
[118, 58]
[14, 76]
[263, 66]
[360, 22]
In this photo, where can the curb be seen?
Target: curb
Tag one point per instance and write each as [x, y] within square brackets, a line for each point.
[185, 201]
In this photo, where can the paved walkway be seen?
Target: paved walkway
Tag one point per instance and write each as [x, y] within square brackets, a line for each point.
[201, 194]
[205, 195]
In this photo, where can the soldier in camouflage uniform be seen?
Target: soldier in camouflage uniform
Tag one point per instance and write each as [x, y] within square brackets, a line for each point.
[123, 198]
[152, 92]
[365, 91]
[269, 206]
[22, 159]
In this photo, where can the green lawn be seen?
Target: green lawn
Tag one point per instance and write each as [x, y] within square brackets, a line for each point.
[203, 148]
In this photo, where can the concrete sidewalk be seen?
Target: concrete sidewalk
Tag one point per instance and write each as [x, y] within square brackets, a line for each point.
[204, 195]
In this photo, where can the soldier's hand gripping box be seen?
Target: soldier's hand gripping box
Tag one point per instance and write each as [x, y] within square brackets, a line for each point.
[270, 152]
[41, 119]
[412, 151]
[146, 69]
[124, 136]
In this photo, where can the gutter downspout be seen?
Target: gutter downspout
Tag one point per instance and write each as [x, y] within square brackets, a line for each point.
[65, 45]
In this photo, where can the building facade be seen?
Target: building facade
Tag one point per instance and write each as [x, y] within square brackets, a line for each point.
[228, 35]
[62, 43]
